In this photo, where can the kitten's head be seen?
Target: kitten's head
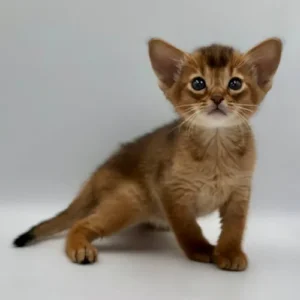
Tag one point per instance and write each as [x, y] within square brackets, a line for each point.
[215, 86]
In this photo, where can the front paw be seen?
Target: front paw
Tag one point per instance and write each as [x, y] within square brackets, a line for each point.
[233, 260]
[201, 253]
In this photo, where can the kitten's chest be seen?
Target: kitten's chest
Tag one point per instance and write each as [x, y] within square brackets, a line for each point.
[216, 180]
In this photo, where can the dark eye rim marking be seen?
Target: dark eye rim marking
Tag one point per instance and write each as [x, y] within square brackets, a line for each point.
[235, 83]
[201, 84]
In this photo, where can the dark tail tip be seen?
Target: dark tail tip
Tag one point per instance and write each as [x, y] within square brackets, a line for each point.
[24, 239]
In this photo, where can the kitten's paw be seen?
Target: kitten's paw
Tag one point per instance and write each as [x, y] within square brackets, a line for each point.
[82, 253]
[203, 253]
[231, 260]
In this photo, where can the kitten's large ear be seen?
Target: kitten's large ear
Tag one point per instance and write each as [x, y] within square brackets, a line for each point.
[166, 61]
[265, 57]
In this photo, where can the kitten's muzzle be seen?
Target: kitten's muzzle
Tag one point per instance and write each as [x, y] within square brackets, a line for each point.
[217, 99]
[219, 107]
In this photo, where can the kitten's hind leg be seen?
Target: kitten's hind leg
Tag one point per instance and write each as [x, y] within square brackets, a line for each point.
[115, 212]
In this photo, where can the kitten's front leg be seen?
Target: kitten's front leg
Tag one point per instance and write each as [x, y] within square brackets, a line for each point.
[228, 254]
[187, 231]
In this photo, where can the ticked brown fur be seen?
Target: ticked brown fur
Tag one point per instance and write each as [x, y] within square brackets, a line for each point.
[200, 163]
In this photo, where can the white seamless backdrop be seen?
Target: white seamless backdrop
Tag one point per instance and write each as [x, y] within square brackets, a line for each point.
[75, 82]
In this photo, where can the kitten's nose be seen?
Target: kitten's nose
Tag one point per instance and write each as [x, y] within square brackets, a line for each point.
[217, 98]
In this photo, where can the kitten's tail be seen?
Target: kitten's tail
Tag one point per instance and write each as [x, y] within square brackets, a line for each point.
[79, 208]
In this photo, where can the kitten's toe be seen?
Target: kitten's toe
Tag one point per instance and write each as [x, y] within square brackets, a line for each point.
[231, 260]
[82, 254]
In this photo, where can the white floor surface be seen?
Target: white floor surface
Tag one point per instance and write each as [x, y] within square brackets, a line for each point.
[139, 264]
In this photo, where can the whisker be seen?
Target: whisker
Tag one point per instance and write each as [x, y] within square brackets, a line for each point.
[183, 122]
[250, 105]
[245, 109]
[190, 109]
[244, 120]
[185, 105]
[192, 125]
[195, 105]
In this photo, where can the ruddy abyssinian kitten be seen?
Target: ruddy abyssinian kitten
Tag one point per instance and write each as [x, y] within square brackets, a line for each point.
[199, 163]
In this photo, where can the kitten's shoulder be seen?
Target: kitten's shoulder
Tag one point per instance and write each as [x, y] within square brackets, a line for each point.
[131, 154]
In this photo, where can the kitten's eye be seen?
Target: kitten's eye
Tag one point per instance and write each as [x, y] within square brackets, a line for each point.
[198, 84]
[235, 84]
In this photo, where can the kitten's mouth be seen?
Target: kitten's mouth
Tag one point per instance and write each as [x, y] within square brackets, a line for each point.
[217, 111]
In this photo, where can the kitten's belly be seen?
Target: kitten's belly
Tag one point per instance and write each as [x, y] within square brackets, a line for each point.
[207, 202]
[158, 222]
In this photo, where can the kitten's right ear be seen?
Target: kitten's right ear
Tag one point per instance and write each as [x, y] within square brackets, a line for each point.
[166, 61]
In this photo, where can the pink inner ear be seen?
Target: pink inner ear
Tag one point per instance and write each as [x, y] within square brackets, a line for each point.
[165, 60]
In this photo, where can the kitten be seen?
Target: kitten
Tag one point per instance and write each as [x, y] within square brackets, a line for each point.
[200, 163]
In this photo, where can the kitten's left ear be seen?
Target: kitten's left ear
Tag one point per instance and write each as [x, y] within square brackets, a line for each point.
[165, 61]
[265, 57]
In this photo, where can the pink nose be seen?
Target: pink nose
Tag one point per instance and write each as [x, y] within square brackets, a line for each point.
[217, 99]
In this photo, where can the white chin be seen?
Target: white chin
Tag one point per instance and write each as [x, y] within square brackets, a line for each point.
[216, 120]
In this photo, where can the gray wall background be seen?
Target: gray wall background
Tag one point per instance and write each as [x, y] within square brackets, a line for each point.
[75, 81]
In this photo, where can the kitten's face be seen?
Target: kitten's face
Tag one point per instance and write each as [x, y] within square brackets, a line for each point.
[215, 86]
[213, 90]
